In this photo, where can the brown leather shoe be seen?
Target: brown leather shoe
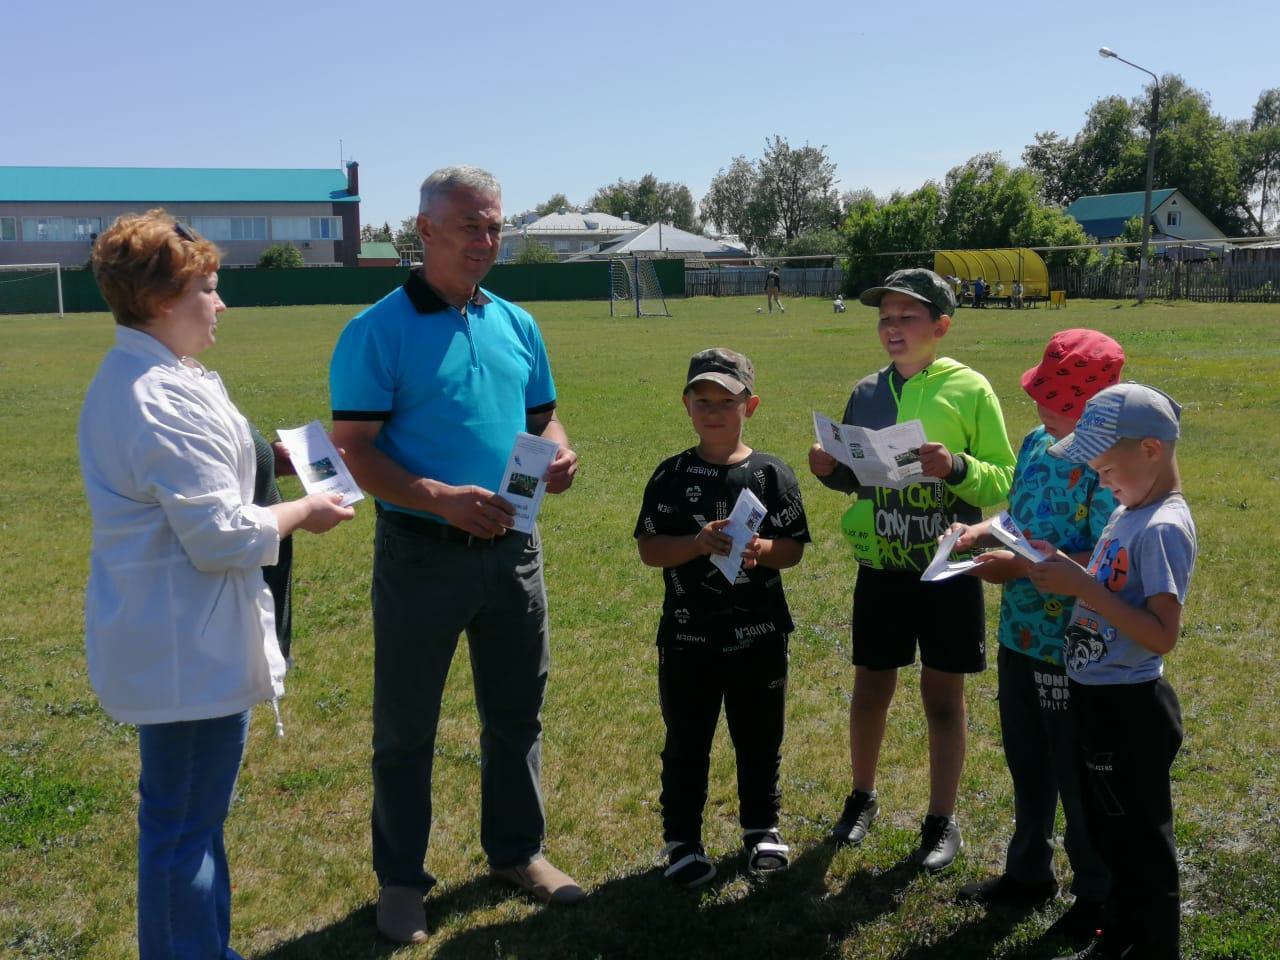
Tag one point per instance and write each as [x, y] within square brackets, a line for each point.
[401, 917]
[544, 881]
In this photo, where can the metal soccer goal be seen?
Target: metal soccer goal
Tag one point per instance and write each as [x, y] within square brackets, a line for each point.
[635, 282]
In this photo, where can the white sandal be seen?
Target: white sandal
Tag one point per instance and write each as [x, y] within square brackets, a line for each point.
[691, 869]
[767, 854]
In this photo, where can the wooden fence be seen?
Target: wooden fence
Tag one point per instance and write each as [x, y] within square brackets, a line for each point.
[1205, 281]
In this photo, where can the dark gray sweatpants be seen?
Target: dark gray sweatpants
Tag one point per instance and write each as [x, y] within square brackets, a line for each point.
[425, 594]
[1040, 746]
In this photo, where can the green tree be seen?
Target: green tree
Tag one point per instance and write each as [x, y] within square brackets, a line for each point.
[648, 200]
[734, 203]
[371, 234]
[815, 243]
[1260, 156]
[800, 183]
[981, 203]
[553, 204]
[281, 255]
[407, 239]
[535, 252]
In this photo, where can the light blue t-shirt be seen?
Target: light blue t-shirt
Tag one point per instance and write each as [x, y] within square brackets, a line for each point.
[1141, 553]
[1063, 503]
[452, 388]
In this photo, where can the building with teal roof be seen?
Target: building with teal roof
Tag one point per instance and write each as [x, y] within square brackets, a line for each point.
[1173, 216]
[53, 214]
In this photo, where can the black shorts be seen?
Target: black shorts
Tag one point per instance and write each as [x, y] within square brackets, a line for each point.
[893, 611]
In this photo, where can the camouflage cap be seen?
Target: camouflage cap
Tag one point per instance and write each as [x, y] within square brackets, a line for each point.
[924, 285]
[724, 367]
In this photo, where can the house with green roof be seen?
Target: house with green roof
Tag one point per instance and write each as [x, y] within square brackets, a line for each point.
[53, 214]
[1173, 216]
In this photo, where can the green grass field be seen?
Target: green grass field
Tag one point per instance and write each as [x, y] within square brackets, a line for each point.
[298, 834]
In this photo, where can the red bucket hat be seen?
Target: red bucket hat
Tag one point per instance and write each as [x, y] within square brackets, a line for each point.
[1077, 364]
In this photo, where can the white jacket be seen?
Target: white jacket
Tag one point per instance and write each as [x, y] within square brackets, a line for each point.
[179, 623]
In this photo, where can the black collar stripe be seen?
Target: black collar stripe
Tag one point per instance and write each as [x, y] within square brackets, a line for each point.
[426, 300]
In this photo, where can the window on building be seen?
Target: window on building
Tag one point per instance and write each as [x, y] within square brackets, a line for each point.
[290, 228]
[562, 246]
[41, 229]
[1173, 218]
[8, 228]
[326, 228]
[83, 228]
[248, 228]
[212, 228]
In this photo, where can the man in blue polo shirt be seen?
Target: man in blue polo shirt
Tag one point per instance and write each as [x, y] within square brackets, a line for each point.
[429, 387]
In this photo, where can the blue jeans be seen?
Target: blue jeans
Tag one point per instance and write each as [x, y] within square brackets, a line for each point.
[184, 891]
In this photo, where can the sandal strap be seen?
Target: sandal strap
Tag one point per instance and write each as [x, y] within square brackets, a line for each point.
[684, 862]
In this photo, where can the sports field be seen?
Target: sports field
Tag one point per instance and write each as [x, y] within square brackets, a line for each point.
[298, 835]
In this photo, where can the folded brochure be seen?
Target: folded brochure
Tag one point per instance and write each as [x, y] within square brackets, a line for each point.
[522, 484]
[318, 464]
[744, 520]
[942, 567]
[889, 457]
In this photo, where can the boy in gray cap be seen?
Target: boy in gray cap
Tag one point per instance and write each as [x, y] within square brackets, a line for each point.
[721, 641]
[1127, 616]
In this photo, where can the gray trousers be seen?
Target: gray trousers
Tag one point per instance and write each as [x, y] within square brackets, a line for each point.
[1040, 746]
[425, 594]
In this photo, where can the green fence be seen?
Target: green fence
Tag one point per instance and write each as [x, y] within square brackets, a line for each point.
[521, 283]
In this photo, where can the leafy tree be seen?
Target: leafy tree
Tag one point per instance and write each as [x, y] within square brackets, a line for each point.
[535, 252]
[981, 203]
[280, 255]
[814, 243]
[553, 204]
[648, 200]
[733, 202]
[371, 234]
[1215, 162]
[407, 239]
[1260, 160]
[800, 184]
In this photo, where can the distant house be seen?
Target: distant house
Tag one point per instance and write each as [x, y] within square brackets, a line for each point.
[565, 233]
[664, 240]
[53, 214]
[378, 254]
[1173, 216]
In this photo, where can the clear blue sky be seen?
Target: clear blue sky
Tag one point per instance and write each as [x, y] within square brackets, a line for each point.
[565, 97]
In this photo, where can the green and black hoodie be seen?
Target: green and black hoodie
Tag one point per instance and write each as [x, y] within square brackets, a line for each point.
[899, 529]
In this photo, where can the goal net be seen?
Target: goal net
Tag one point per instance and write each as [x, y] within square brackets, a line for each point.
[30, 288]
[633, 286]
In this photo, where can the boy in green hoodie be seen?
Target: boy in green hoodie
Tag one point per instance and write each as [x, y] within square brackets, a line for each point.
[968, 464]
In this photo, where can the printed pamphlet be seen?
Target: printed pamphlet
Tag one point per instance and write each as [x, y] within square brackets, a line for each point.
[319, 466]
[522, 484]
[878, 458]
[744, 520]
[942, 567]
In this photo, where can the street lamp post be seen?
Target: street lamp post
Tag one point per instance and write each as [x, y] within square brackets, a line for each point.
[1143, 265]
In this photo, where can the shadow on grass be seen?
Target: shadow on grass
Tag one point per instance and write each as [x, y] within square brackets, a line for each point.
[641, 915]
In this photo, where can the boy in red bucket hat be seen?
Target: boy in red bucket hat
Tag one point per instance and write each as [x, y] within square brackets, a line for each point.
[1062, 503]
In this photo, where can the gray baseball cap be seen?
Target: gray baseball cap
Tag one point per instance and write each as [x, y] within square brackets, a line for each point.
[1127, 411]
[924, 285]
[722, 366]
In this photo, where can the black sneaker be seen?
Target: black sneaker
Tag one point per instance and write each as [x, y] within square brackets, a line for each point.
[687, 864]
[1082, 922]
[860, 809]
[940, 841]
[1006, 891]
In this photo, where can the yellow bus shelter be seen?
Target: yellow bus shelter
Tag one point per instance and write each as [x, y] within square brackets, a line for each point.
[997, 266]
